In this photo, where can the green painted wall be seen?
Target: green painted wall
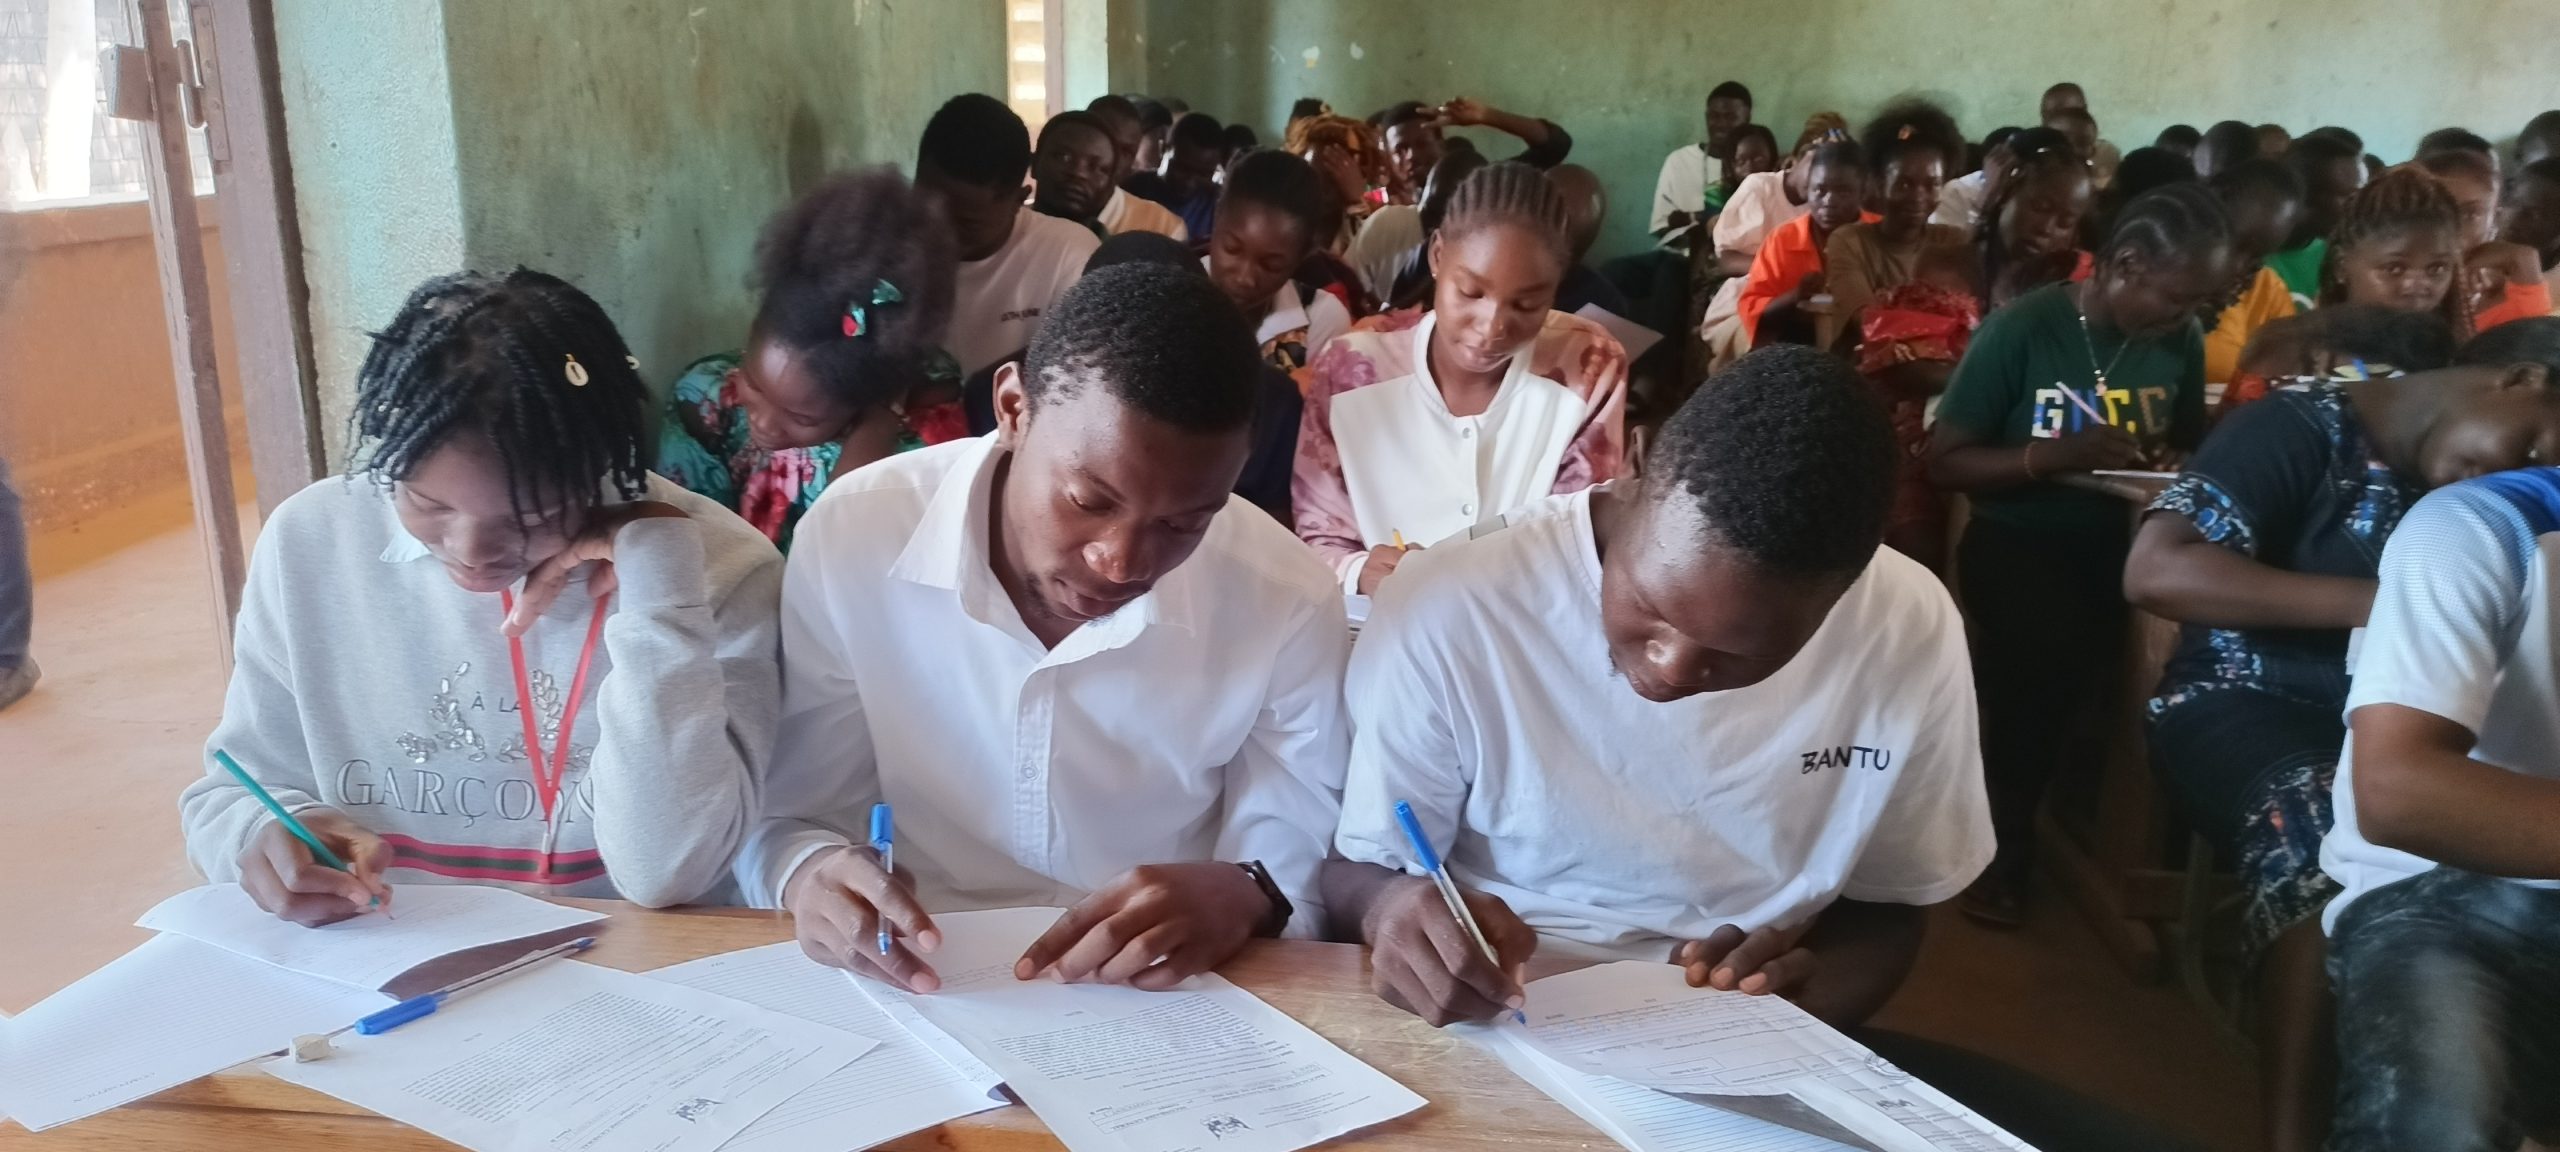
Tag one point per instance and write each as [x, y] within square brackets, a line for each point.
[369, 129]
[631, 146]
[1629, 77]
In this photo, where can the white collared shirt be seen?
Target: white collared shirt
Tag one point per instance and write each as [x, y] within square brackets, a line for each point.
[1682, 187]
[1482, 693]
[1124, 213]
[1323, 317]
[1201, 721]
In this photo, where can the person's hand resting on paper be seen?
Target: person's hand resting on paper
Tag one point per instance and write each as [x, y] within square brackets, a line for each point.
[1154, 927]
[1423, 961]
[278, 871]
[837, 899]
[1760, 963]
[1841, 965]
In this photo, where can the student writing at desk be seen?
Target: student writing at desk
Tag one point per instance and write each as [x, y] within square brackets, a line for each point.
[1695, 717]
[1080, 670]
[2076, 377]
[607, 743]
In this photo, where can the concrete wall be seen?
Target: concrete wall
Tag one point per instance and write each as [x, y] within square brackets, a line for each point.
[369, 129]
[631, 146]
[88, 403]
[1629, 77]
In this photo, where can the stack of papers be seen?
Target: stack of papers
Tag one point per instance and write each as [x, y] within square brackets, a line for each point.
[1111, 1068]
[428, 922]
[568, 1055]
[1640, 1025]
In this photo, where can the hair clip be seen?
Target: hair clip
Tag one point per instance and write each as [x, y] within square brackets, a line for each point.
[1902, 133]
[577, 372]
[857, 317]
[633, 361]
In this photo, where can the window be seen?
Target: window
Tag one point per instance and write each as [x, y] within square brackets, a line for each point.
[1027, 70]
[57, 144]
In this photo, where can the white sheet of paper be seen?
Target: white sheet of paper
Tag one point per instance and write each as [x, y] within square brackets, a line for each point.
[902, 1086]
[1636, 338]
[1638, 1118]
[1642, 1023]
[156, 1017]
[978, 951]
[1112, 1069]
[369, 951]
[572, 1057]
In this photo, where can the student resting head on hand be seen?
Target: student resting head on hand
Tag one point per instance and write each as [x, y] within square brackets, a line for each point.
[1081, 672]
[1694, 717]
[843, 358]
[1420, 428]
[500, 651]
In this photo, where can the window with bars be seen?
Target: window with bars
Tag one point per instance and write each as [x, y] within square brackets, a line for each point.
[1027, 64]
[57, 143]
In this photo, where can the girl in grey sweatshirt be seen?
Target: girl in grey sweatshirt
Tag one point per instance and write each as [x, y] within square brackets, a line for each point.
[500, 651]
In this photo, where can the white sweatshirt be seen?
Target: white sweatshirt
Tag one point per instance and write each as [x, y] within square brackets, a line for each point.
[367, 681]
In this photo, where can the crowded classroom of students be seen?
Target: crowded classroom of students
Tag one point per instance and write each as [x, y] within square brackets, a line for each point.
[1218, 534]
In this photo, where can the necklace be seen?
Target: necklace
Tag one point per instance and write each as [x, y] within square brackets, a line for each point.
[2098, 374]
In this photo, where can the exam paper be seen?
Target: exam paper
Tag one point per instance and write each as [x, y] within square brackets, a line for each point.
[1635, 338]
[572, 1057]
[1117, 1069]
[902, 1086]
[1639, 1118]
[156, 1017]
[369, 951]
[1641, 1023]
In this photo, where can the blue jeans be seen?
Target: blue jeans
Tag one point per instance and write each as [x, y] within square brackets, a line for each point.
[17, 586]
[2448, 1015]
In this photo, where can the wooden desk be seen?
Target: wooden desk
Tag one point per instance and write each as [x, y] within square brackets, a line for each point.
[1475, 1103]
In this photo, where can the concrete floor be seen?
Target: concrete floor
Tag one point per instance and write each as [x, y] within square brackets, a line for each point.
[94, 761]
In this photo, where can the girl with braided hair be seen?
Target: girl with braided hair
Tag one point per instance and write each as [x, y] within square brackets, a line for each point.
[499, 650]
[2398, 243]
[843, 364]
[1421, 426]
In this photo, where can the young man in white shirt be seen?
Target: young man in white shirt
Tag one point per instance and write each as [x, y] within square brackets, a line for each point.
[1121, 212]
[2444, 947]
[1698, 717]
[1680, 193]
[1014, 261]
[1080, 672]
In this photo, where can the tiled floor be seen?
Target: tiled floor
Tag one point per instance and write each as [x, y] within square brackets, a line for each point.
[93, 762]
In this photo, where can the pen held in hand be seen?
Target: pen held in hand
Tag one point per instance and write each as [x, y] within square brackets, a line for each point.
[1431, 862]
[884, 842]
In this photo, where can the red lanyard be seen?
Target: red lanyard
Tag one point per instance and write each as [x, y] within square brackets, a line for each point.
[550, 773]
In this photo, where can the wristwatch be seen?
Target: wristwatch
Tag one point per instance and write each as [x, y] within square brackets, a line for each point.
[1278, 918]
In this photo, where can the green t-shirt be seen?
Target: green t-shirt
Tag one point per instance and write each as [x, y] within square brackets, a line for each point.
[2299, 268]
[2010, 387]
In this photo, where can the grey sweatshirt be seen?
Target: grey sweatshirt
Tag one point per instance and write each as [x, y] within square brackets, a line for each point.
[367, 681]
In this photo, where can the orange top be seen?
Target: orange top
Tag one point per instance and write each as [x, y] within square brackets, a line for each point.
[2532, 298]
[1786, 257]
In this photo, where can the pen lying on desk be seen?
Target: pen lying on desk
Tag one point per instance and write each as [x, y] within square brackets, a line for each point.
[309, 1048]
[1439, 869]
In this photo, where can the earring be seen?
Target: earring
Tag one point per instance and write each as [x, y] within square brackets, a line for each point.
[633, 361]
[577, 372]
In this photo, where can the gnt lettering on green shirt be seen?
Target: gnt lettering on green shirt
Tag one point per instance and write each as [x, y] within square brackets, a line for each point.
[2010, 388]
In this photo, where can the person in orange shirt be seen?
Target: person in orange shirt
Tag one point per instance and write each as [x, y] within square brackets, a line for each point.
[2266, 203]
[1787, 274]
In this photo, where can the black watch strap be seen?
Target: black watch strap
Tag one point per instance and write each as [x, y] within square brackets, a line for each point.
[1278, 918]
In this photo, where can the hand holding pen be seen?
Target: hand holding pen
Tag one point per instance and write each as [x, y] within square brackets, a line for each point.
[846, 901]
[1442, 953]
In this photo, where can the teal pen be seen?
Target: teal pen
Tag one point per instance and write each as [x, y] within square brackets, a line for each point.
[319, 850]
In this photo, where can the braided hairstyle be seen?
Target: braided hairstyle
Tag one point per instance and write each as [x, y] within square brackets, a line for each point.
[2398, 200]
[525, 359]
[830, 253]
[2034, 154]
[1509, 193]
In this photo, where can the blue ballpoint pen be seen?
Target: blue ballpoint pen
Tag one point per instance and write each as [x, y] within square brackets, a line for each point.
[1431, 862]
[883, 841]
[424, 1005]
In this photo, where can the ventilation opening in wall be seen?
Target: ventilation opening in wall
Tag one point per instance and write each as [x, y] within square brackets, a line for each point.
[1035, 79]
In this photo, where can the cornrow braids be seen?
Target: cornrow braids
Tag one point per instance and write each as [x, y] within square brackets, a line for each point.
[2401, 198]
[1509, 193]
[525, 359]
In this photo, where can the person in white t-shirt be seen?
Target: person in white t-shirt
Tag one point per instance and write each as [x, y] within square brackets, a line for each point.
[2444, 946]
[1079, 669]
[1680, 198]
[1014, 261]
[1268, 215]
[1698, 716]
